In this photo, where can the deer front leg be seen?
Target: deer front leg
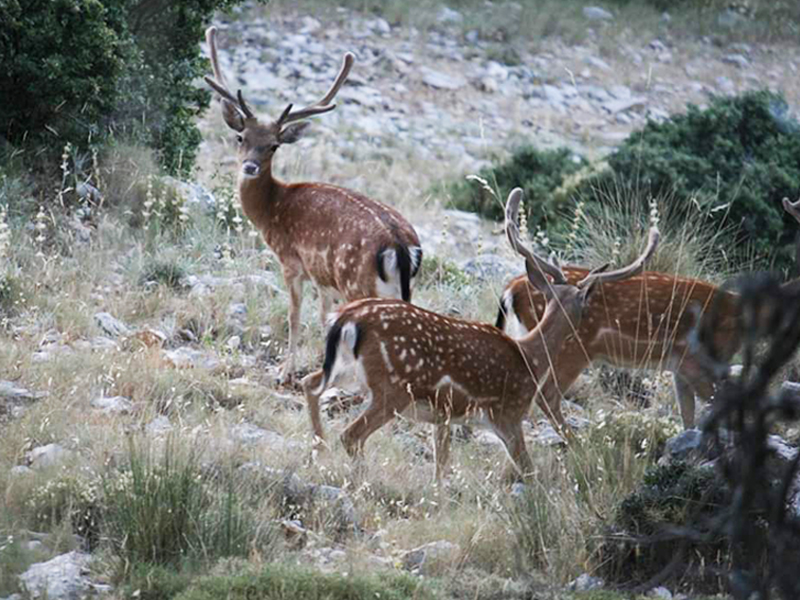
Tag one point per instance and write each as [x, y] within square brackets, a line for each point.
[294, 281]
[509, 430]
[558, 379]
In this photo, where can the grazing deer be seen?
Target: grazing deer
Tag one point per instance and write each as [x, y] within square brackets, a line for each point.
[644, 322]
[442, 369]
[348, 245]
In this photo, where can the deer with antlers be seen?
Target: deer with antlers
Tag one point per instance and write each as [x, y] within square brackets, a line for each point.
[442, 370]
[643, 322]
[348, 245]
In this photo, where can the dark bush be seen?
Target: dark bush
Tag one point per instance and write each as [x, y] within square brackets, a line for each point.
[743, 152]
[60, 64]
[646, 533]
[84, 71]
[538, 172]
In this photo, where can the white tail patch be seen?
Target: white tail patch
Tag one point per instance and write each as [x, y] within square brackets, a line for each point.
[390, 288]
[512, 327]
[415, 255]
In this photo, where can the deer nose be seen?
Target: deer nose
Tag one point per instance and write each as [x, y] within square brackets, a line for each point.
[250, 168]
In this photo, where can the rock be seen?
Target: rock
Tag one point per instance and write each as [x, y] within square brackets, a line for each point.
[518, 490]
[309, 24]
[159, 426]
[620, 106]
[442, 81]
[496, 71]
[422, 559]
[725, 85]
[621, 92]
[553, 94]
[595, 13]
[660, 592]
[585, 583]
[448, 15]
[380, 25]
[8, 389]
[113, 405]
[598, 63]
[247, 433]
[345, 511]
[62, 578]
[233, 343]
[21, 471]
[48, 455]
[189, 358]
[686, 444]
[111, 325]
[736, 59]
[490, 267]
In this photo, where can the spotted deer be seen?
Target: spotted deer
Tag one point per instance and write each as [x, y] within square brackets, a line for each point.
[644, 322]
[349, 245]
[446, 370]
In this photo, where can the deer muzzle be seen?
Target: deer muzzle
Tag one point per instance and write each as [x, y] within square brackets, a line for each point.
[250, 168]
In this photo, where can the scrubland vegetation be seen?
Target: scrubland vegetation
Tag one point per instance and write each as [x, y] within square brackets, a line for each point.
[186, 470]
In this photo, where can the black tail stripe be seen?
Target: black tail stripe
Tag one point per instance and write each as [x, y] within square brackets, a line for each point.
[331, 344]
[501, 317]
[404, 266]
[379, 265]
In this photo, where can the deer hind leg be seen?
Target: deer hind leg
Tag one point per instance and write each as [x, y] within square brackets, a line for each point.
[690, 379]
[441, 448]
[325, 304]
[383, 405]
[294, 281]
[311, 387]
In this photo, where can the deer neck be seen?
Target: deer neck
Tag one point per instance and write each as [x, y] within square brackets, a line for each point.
[541, 345]
[260, 195]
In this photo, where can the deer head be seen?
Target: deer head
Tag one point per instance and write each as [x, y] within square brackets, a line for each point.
[257, 141]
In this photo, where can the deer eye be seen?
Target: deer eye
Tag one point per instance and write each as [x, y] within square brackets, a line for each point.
[239, 139]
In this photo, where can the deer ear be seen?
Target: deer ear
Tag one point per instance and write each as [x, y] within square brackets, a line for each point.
[291, 133]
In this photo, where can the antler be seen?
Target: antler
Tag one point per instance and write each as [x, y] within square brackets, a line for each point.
[536, 265]
[793, 208]
[322, 105]
[632, 269]
[234, 108]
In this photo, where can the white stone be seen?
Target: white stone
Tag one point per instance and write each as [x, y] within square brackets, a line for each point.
[113, 404]
[111, 325]
[595, 13]
[442, 81]
[62, 578]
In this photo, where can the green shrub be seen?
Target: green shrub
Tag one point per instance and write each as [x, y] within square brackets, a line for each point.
[66, 500]
[538, 172]
[86, 71]
[736, 160]
[164, 511]
[165, 273]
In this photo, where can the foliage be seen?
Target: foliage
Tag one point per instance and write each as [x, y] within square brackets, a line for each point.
[279, 582]
[538, 172]
[68, 499]
[641, 430]
[439, 271]
[166, 273]
[165, 512]
[90, 70]
[60, 64]
[645, 538]
[736, 160]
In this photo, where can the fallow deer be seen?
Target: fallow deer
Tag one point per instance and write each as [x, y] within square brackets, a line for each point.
[441, 369]
[644, 322]
[348, 245]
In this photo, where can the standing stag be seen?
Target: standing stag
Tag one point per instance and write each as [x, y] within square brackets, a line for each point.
[350, 246]
[644, 322]
[444, 370]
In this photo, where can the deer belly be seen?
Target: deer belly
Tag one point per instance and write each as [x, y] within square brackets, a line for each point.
[618, 350]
